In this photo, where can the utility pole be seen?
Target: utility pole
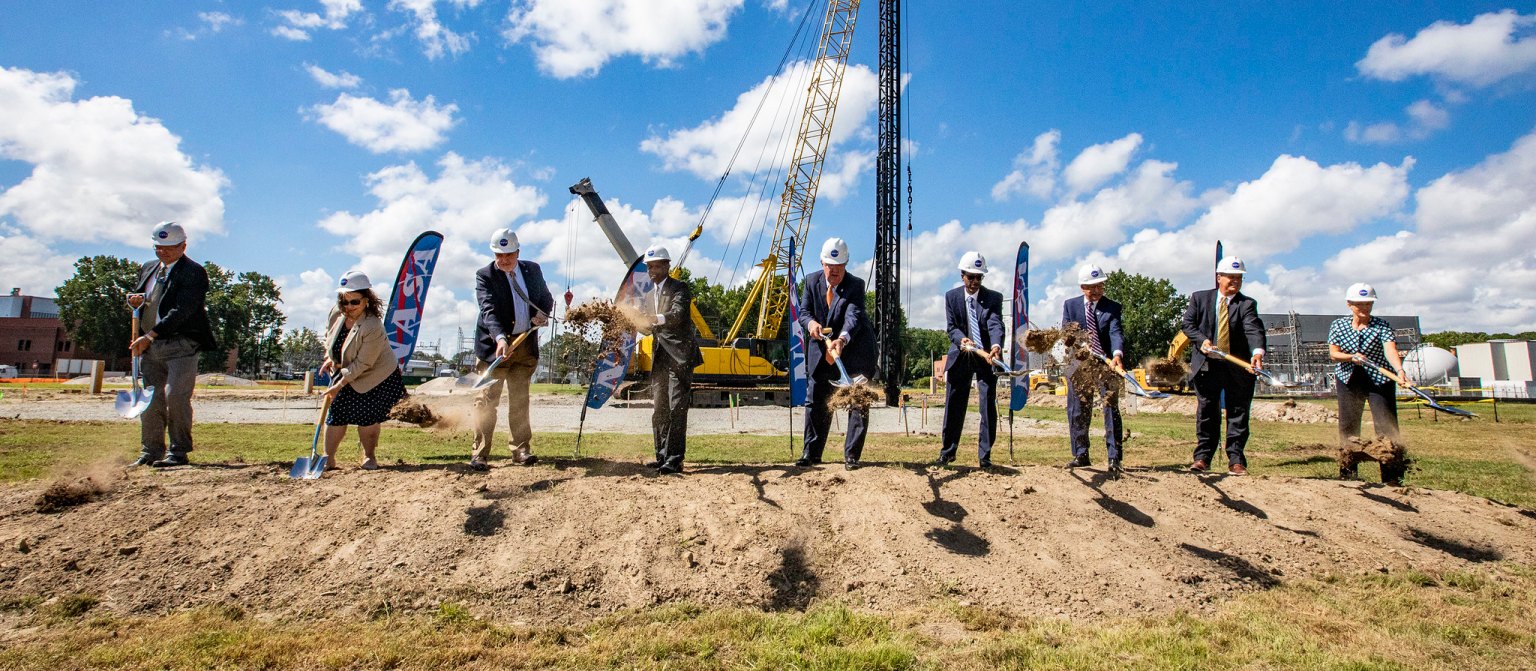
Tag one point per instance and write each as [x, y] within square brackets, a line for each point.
[888, 205]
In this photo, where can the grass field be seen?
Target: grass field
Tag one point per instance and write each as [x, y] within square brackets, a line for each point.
[1403, 620]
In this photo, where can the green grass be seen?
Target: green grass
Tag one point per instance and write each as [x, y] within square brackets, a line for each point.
[1402, 621]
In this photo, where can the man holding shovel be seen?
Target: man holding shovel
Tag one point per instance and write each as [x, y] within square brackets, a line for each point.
[1098, 317]
[173, 293]
[1225, 322]
[832, 307]
[973, 315]
[514, 303]
[674, 354]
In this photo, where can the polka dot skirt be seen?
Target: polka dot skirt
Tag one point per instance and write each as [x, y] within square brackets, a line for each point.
[352, 408]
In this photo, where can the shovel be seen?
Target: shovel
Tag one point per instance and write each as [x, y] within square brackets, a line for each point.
[131, 404]
[312, 466]
[1428, 400]
[1131, 385]
[837, 358]
[997, 363]
[1261, 373]
[486, 379]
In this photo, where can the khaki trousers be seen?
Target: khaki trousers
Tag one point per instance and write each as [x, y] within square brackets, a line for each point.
[515, 374]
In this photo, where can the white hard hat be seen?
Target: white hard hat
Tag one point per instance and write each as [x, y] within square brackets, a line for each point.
[834, 252]
[168, 233]
[1091, 274]
[973, 263]
[504, 241]
[1360, 292]
[657, 253]
[353, 280]
[1231, 265]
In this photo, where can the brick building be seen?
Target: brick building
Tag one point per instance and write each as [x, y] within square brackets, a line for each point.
[32, 338]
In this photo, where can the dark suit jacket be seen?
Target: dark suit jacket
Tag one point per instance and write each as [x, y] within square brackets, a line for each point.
[495, 296]
[1106, 316]
[184, 307]
[678, 336]
[1243, 324]
[989, 318]
[845, 314]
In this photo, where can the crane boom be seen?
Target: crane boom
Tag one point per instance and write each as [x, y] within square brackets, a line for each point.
[799, 196]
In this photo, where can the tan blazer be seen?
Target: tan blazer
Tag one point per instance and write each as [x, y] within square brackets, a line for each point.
[366, 358]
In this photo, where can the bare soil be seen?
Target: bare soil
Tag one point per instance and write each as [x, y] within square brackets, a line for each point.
[570, 541]
[857, 396]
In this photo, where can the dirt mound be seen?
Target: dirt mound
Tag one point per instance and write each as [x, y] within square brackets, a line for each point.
[854, 397]
[66, 493]
[224, 380]
[571, 541]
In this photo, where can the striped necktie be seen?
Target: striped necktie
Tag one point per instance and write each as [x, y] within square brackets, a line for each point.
[1091, 320]
[975, 318]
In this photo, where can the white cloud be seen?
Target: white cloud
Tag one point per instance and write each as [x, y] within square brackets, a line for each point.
[297, 25]
[101, 171]
[1424, 118]
[1493, 47]
[705, 150]
[211, 23]
[326, 79]
[30, 265]
[573, 39]
[435, 39]
[1034, 170]
[403, 125]
[1096, 164]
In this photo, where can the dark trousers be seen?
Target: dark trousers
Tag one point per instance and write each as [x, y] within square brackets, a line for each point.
[1079, 417]
[170, 366]
[818, 420]
[1352, 399]
[957, 396]
[1219, 378]
[671, 395]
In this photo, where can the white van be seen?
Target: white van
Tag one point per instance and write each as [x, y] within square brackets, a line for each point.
[7, 372]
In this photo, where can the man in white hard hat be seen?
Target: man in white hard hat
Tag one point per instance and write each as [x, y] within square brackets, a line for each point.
[1098, 317]
[172, 294]
[674, 354]
[1223, 319]
[973, 316]
[513, 300]
[832, 306]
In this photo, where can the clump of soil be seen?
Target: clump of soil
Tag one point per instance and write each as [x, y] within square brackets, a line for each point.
[1070, 332]
[1092, 377]
[66, 493]
[1392, 455]
[412, 412]
[854, 397]
[613, 321]
[1167, 369]
[1041, 341]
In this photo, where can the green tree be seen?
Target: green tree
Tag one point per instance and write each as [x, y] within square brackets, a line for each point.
[570, 354]
[1152, 308]
[243, 312]
[923, 346]
[302, 349]
[93, 305]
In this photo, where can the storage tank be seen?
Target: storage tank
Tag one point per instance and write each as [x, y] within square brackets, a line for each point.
[1429, 365]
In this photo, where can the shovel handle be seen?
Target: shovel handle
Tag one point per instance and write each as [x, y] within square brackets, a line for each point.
[1390, 375]
[1234, 360]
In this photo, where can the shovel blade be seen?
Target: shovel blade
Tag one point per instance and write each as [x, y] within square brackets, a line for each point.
[486, 379]
[859, 379]
[308, 468]
[131, 404]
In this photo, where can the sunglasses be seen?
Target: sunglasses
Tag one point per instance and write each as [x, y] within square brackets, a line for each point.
[351, 302]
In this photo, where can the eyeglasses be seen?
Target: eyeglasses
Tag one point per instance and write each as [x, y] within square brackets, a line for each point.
[350, 303]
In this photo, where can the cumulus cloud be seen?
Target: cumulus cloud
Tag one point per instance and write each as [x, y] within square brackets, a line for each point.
[1489, 49]
[572, 39]
[30, 265]
[297, 25]
[436, 40]
[1096, 164]
[1034, 169]
[209, 24]
[341, 80]
[100, 170]
[402, 125]
[1424, 118]
[705, 150]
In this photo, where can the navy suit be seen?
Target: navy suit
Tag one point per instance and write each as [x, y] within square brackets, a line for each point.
[1212, 378]
[1105, 320]
[495, 297]
[961, 367]
[845, 314]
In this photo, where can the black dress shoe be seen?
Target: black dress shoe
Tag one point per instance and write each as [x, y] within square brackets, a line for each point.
[941, 462]
[670, 470]
[1080, 461]
[145, 460]
[171, 460]
[479, 466]
[803, 463]
[1114, 467]
[653, 464]
[851, 464]
[985, 465]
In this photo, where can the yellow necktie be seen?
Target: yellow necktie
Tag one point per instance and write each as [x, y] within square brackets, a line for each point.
[1223, 332]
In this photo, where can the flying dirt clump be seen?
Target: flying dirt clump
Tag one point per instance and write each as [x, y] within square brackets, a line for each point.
[1041, 341]
[1167, 369]
[412, 412]
[68, 492]
[615, 321]
[853, 397]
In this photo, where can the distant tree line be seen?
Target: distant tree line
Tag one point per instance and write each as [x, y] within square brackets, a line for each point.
[1450, 339]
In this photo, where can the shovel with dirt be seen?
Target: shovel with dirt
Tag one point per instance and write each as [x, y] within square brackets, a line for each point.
[312, 466]
[132, 403]
[1131, 385]
[837, 358]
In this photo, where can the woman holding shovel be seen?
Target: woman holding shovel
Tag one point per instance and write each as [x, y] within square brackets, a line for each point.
[1359, 343]
[367, 381]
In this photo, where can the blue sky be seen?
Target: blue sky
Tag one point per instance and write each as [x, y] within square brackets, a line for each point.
[1326, 143]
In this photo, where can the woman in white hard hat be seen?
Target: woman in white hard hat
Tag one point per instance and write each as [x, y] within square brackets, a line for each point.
[367, 383]
[1359, 343]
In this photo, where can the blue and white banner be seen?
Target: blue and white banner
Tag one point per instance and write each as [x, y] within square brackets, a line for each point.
[1020, 356]
[798, 380]
[402, 324]
[611, 365]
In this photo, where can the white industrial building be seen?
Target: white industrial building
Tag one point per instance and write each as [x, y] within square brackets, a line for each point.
[1504, 368]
